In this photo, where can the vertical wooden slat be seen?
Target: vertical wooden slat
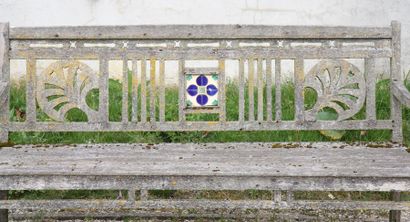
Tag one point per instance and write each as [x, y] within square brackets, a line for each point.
[5, 79]
[251, 70]
[144, 195]
[277, 196]
[124, 113]
[395, 215]
[299, 100]
[278, 92]
[290, 196]
[152, 80]
[31, 113]
[4, 213]
[260, 89]
[103, 87]
[131, 196]
[4, 99]
[269, 89]
[134, 91]
[161, 90]
[395, 69]
[143, 90]
[241, 107]
[221, 94]
[181, 85]
[370, 89]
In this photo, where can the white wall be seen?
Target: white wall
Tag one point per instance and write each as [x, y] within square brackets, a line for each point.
[272, 12]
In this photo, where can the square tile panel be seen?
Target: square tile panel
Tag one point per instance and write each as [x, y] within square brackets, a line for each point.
[201, 90]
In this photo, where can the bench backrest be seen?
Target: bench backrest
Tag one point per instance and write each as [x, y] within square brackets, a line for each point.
[257, 50]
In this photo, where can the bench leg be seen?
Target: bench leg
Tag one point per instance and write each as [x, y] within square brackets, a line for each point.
[395, 215]
[144, 195]
[4, 213]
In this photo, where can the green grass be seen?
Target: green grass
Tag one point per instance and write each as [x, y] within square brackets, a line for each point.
[17, 108]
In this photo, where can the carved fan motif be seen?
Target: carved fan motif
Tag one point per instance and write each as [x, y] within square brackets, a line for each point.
[63, 86]
[339, 86]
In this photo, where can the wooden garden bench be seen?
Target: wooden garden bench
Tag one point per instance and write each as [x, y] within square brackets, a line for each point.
[257, 52]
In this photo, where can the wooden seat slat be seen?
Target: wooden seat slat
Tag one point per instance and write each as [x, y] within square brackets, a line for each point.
[216, 159]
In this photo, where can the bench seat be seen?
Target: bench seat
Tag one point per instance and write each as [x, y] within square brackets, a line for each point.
[238, 166]
[211, 166]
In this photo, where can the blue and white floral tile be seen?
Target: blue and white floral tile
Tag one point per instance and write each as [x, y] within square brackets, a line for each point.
[202, 90]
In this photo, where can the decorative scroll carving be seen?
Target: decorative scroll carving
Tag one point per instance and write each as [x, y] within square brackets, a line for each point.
[63, 86]
[339, 86]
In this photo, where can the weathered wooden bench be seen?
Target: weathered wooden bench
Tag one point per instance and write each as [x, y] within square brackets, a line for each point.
[258, 51]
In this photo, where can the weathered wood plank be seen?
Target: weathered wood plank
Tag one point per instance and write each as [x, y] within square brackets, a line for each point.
[103, 91]
[285, 164]
[143, 85]
[200, 214]
[371, 78]
[201, 32]
[277, 196]
[359, 147]
[278, 88]
[4, 100]
[251, 90]
[216, 110]
[153, 90]
[201, 204]
[146, 44]
[222, 93]
[124, 108]
[395, 215]
[200, 126]
[4, 213]
[181, 91]
[401, 93]
[3, 89]
[232, 159]
[299, 87]
[395, 69]
[144, 194]
[290, 197]
[131, 195]
[5, 80]
[261, 84]
[269, 89]
[202, 70]
[241, 86]
[213, 182]
[134, 91]
[204, 53]
[162, 87]
[107, 214]
[31, 111]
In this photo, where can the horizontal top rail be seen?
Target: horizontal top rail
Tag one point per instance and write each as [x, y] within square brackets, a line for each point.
[200, 32]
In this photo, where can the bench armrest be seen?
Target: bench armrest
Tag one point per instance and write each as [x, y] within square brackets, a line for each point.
[401, 93]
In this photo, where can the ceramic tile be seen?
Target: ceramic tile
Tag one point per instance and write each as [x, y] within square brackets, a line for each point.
[202, 90]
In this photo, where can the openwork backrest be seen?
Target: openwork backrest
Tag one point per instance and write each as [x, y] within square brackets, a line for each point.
[322, 59]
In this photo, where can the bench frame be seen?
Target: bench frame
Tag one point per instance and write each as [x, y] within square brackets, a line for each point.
[156, 44]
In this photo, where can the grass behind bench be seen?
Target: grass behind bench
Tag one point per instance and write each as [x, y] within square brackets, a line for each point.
[18, 112]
